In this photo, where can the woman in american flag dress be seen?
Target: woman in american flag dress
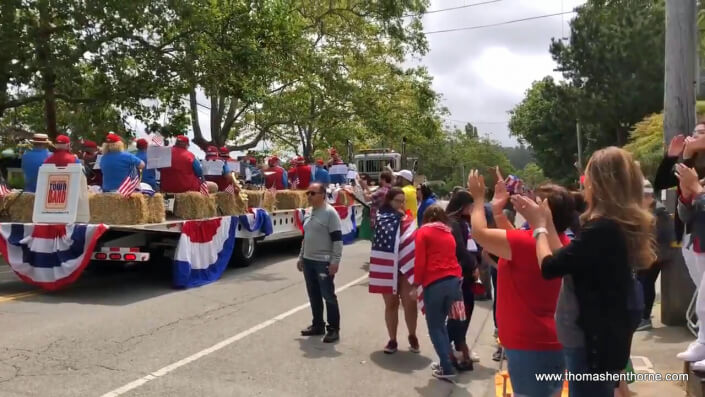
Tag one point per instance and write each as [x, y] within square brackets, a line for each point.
[392, 267]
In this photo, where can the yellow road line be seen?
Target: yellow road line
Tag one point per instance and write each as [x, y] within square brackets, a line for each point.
[19, 295]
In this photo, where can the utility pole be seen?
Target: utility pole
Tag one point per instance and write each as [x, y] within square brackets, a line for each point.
[681, 61]
[679, 118]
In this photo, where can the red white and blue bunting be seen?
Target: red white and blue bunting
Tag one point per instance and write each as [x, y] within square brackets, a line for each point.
[48, 256]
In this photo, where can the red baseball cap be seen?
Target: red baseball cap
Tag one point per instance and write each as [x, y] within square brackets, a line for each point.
[112, 138]
[182, 139]
[273, 160]
[212, 151]
[142, 143]
[62, 139]
[224, 151]
[89, 144]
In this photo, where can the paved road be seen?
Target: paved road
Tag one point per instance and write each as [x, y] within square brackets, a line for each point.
[129, 333]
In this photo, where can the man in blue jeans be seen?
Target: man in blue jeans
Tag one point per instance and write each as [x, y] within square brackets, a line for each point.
[320, 256]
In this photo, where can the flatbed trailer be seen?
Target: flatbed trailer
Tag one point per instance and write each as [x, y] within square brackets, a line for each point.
[157, 241]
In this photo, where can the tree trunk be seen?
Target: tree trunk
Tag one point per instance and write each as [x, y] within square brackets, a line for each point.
[47, 71]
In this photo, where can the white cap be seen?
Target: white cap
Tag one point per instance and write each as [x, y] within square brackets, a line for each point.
[406, 174]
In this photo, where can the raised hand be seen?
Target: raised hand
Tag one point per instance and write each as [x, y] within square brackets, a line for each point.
[476, 185]
[536, 212]
[675, 148]
[689, 183]
[501, 195]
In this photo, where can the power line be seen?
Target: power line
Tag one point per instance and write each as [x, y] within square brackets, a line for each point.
[452, 8]
[501, 23]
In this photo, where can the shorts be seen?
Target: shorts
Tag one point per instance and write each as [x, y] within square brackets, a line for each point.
[524, 365]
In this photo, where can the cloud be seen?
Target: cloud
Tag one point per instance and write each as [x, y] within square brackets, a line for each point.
[484, 73]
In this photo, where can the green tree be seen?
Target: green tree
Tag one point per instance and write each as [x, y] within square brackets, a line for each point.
[532, 175]
[519, 156]
[616, 60]
[79, 57]
[545, 119]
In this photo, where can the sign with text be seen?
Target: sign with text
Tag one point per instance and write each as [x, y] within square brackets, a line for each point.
[62, 195]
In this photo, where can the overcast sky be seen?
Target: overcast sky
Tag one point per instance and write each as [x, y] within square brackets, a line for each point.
[483, 73]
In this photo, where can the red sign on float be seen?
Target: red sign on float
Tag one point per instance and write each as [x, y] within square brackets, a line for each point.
[57, 192]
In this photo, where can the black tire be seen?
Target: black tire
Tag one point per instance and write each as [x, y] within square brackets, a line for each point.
[244, 252]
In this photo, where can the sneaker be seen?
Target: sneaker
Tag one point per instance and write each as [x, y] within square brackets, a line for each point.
[414, 344]
[391, 347]
[435, 366]
[313, 331]
[695, 352]
[331, 336]
[645, 325]
[497, 356]
[699, 366]
[463, 366]
[474, 357]
[438, 373]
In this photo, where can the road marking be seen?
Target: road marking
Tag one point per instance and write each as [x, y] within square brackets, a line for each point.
[171, 367]
[19, 295]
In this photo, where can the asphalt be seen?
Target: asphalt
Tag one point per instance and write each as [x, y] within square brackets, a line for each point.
[236, 337]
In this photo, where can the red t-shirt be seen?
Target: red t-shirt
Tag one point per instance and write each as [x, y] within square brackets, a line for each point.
[526, 302]
[61, 158]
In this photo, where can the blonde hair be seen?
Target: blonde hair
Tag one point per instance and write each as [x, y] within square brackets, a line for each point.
[113, 147]
[615, 191]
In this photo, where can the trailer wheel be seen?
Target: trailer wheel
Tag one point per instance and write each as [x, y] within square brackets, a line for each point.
[244, 252]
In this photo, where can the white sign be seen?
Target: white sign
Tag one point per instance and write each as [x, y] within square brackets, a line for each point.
[352, 175]
[234, 166]
[62, 195]
[339, 169]
[96, 166]
[158, 157]
[212, 167]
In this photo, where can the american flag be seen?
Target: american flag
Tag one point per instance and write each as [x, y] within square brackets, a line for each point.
[393, 253]
[157, 140]
[130, 184]
[230, 189]
[204, 188]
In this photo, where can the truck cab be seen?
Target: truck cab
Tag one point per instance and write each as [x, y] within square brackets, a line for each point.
[373, 161]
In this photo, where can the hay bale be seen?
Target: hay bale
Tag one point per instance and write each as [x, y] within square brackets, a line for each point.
[229, 204]
[255, 198]
[113, 209]
[291, 199]
[18, 207]
[269, 202]
[156, 209]
[193, 205]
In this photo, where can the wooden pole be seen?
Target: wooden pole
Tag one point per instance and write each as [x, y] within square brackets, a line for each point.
[681, 51]
[679, 118]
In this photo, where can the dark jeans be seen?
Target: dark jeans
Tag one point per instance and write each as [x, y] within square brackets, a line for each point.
[576, 363]
[648, 283]
[457, 330]
[438, 298]
[320, 287]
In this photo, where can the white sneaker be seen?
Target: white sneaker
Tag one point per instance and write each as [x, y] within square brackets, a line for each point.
[474, 357]
[695, 352]
[698, 365]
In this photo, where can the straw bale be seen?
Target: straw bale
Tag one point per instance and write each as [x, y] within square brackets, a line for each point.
[113, 209]
[269, 202]
[254, 198]
[18, 207]
[156, 209]
[229, 204]
[193, 205]
[291, 199]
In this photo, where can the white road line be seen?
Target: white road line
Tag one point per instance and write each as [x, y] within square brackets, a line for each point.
[171, 367]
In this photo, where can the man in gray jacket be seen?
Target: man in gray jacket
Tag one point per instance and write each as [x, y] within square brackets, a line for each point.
[320, 256]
